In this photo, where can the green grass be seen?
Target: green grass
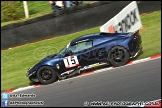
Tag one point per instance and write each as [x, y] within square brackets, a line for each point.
[151, 34]
[16, 61]
[37, 9]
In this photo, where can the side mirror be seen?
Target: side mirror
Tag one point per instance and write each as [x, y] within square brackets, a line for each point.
[68, 53]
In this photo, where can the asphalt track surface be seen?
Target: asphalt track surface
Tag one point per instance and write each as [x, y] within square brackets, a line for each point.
[137, 82]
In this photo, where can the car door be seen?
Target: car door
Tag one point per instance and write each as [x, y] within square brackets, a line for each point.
[79, 54]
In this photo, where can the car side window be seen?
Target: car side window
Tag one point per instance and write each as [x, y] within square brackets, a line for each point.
[80, 46]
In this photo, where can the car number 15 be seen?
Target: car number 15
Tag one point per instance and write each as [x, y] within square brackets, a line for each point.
[71, 61]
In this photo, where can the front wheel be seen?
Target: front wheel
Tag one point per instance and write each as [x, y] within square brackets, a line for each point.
[118, 56]
[46, 75]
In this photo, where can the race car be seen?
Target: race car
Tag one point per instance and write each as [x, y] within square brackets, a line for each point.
[114, 49]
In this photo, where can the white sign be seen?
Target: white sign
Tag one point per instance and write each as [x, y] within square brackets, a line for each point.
[59, 3]
[127, 20]
[71, 61]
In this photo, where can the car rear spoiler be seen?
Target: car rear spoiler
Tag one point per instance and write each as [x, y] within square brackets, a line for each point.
[136, 32]
[132, 33]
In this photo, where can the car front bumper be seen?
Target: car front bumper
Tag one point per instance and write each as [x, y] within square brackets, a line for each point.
[32, 75]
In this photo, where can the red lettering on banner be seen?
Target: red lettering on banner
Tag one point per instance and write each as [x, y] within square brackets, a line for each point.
[111, 29]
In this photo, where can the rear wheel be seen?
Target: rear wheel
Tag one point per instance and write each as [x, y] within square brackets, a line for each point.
[46, 75]
[118, 56]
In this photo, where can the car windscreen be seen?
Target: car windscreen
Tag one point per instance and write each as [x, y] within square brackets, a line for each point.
[62, 52]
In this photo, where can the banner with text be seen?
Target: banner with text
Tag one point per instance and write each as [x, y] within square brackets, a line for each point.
[127, 20]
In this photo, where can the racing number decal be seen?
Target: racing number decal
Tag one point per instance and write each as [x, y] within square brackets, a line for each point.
[71, 61]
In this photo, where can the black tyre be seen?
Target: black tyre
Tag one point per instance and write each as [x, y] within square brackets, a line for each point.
[46, 75]
[118, 56]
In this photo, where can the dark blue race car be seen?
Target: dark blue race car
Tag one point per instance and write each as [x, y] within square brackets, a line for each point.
[110, 48]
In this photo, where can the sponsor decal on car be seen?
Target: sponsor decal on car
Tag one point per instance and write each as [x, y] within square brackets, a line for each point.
[71, 61]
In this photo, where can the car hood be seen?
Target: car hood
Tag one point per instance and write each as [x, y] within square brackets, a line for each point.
[50, 57]
[43, 61]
